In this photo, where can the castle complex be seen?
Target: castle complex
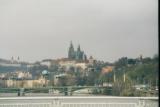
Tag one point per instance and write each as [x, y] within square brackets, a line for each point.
[76, 54]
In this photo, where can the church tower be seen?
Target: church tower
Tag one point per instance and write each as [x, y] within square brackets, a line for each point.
[71, 52]
[79, 53]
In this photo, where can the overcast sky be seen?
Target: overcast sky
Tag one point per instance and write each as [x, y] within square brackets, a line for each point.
[106, 29]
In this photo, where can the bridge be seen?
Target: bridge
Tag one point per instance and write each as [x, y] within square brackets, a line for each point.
[71, 90]
[66, 90]
[87, 101]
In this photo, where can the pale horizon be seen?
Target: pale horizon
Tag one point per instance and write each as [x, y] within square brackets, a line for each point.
[108, 30]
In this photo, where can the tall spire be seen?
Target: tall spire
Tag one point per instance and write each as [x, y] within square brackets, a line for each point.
[71, 52]
[71, 45]
[79, 48]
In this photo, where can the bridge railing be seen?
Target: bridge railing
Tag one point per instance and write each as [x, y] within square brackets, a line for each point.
[79, 102]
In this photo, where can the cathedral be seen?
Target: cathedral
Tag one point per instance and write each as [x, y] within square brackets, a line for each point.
[76, 54]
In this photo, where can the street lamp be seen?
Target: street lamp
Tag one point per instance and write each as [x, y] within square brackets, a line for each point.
[124, 77]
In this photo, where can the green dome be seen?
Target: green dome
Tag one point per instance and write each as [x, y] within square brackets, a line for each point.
[44, 72]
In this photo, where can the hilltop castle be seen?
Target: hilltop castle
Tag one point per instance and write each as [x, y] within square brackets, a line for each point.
[76, 54]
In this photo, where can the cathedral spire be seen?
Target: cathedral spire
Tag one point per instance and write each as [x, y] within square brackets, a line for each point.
[71, 45]
[79, 48]
[71, 52]
[78, 54]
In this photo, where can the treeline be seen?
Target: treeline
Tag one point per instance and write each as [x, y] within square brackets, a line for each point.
[139, 71]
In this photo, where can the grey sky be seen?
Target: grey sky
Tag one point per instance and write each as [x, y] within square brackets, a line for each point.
[105, 29]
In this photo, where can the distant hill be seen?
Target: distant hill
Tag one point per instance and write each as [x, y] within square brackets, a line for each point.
[5, 61]
[11, 66]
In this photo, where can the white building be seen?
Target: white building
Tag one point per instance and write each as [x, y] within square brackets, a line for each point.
[81, 65]
[47, 63]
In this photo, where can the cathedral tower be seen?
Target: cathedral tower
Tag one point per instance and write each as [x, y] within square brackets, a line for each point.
[78, 54]
[71, 52]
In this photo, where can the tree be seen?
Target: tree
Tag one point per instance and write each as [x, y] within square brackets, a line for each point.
[92, 78]
[121, 88]
[67, 80]
[106, 78]
[121, 62]
[54, 68]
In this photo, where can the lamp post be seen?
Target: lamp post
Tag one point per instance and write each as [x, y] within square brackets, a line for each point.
[124, 77]
[114, 77]
[156, 84]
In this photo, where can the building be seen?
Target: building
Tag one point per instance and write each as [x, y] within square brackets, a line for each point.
[107, 69]
[67, 64]
[91, 61]
[46, 63]
[76, 54]
[10, 83]
[57, 77]
[23, 74]
[81, 65]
